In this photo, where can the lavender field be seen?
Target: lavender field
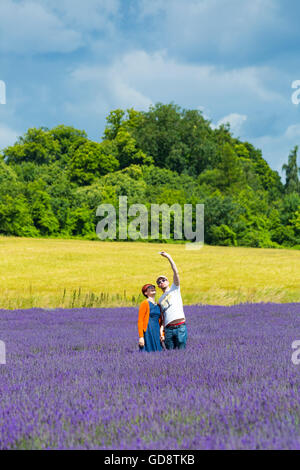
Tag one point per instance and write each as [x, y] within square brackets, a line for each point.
[74, 379]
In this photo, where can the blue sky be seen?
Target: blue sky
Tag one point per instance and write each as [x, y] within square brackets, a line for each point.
[71, 62]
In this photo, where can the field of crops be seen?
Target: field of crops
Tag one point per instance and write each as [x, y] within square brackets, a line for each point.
[80, 273]
[74, 379]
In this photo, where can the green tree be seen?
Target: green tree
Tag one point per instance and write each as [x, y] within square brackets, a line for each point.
[211, 178]
[81, 222]
[15, 217]
[231, 170]
[92, 160]
[159, 132]
[7, 174]
[223, 235]
[176, 138]
[37, 146]
[69, 140]
[127, 151]
[119, 130]
[178, 157]
[221, 210]
[114, 122]
[269, 179]
[295, 222]
[288, 206]
[40, 207]
[291, 172]
[125, 185]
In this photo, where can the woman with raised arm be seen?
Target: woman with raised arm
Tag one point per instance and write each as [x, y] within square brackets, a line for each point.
[150, 321]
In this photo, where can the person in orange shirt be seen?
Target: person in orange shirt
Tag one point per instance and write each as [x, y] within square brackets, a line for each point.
[150, 321]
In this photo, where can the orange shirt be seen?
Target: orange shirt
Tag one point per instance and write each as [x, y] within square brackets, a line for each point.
[144, 313]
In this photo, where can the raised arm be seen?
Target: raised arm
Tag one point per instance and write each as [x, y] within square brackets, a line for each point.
[173, 266]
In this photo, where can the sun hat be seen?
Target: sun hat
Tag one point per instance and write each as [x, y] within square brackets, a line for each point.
[145, 287]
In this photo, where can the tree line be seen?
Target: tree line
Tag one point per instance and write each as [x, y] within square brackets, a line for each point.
[53, 180]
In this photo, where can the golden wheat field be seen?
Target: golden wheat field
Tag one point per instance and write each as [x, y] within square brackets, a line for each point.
[52, 273]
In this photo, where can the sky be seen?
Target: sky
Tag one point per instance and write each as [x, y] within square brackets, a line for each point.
[72, 62]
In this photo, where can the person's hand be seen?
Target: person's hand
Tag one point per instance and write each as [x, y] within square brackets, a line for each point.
[165, 254]
[162, 334]
[141, 342]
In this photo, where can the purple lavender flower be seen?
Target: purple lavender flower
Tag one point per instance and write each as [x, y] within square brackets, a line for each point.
[74, 379]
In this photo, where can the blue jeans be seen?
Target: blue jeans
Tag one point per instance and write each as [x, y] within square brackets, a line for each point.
[175, 338]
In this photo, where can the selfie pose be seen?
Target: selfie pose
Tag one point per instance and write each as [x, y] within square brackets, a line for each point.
[172, 309]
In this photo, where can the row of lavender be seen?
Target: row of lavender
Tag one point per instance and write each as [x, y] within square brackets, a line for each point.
[74, 379]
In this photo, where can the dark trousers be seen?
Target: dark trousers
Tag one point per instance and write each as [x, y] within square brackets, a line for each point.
[175, 338]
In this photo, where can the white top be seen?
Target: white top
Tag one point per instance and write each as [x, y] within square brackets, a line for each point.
[171, 304]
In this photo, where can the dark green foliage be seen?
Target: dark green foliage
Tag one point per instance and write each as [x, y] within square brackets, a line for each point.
[269, 179]
[37, 146]
[40, 207]
[53, 180]
[67, 136]
[81, 221]
[223, 235]
[92, 160]
[119, 131]
[181, 140]
[15, 217]
[291, 169]
[231, 175]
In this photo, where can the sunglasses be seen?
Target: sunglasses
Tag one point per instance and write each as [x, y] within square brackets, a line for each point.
[151, 287]
[161, 280]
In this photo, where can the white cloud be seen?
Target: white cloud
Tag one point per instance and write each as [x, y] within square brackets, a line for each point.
[138, 79]
[228, 28]
[128, 96]
[276, 149]
[235, 120]
[205, 112]
[8, 136]
[28, 27]
[103, 88]
[203, 51]
[293, 131]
